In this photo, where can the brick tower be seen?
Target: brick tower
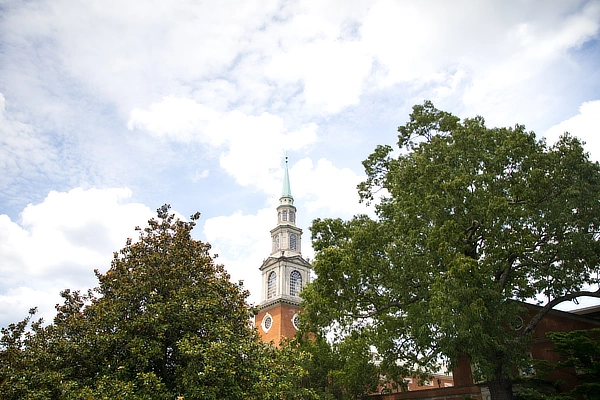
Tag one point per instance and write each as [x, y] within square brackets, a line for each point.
[283, 273]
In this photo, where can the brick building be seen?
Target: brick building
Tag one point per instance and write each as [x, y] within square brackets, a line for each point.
[541, 349]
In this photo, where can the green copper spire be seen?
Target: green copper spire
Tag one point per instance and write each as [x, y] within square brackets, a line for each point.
[286, 192]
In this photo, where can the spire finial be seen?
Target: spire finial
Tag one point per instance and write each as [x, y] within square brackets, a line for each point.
[286, 192]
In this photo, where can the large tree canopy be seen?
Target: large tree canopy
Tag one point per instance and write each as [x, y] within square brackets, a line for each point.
[470, 221]
[165, 321]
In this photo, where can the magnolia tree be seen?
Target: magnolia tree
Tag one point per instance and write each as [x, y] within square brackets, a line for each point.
[165, 321]
[471, 222]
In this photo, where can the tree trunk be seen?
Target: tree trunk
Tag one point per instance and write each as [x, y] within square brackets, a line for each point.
[500, 388]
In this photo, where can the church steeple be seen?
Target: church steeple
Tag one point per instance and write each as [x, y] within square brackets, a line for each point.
[286, 236]
[284, 273]
[286, 191]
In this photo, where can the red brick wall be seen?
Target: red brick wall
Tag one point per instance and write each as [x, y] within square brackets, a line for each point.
[450, 393]
[554, 321]
[282, 327]
[541, 349]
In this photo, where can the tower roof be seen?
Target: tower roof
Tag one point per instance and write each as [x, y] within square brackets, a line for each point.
[286, 191]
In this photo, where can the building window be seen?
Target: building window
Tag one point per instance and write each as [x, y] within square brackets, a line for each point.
[293, 241]
[267, 322]
[276, 242]
[518, 323]
[284, 216]
[271, 285]
[291, 216]
[528, 369]
[295, 283]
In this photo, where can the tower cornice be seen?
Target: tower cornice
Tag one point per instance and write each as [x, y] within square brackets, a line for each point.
[292, 260]
[286, 225]
[289, 300]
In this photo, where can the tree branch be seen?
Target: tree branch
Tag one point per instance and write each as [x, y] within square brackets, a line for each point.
[546, 309]
[510, 262]
[377, 311]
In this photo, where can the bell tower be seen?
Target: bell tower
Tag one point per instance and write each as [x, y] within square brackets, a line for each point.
[284, 273]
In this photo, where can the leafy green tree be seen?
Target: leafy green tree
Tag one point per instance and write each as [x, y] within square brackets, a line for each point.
[580, 353]
[343, 371]
[580, 356]
[357, 374]
[469, 219]
[318, 361]
[23, 372]
[165, 321]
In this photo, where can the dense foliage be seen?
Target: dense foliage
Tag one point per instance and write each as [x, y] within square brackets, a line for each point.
[340, 371]
[579, 353]
[165, 321]
[469, 219]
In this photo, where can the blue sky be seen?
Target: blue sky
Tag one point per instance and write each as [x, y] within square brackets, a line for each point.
[109, 109]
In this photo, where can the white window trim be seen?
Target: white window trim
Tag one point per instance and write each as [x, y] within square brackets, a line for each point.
[262, 324]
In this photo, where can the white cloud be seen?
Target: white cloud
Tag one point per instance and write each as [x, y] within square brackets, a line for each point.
[200, 175]
[15, 303]
[306, 56]
[327, 190]
[574, 30]
[530, 55]
[415, 41]
[129, 52]
[256, 145]
[333, 72]
[177, 118]
[58, 244]
[253, 145]
[490, 55]
[398, 34]
[23, 151]
[583, 125]
[244, 241]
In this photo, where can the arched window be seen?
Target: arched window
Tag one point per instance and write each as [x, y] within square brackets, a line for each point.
[293, 241]
[295, 283]
[276, 242]
[284, 217]
[291, 216]
[271, 285]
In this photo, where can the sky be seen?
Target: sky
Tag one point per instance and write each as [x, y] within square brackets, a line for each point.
[110, 109]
